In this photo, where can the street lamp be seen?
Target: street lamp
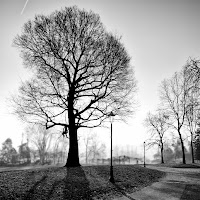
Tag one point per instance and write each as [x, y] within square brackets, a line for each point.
[144, 155]
[111, 115]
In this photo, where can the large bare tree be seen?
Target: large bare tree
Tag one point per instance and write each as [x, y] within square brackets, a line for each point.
[157, 125]
[81, 73]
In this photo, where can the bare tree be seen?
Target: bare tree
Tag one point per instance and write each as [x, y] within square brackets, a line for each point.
[192, 71]
[192, 119]
[87, 142]
[41, 139]
[97, 149]
[59, 147]
[157, 125]
[174, 99]
[116, 149]
[81, 73]
[94, 148]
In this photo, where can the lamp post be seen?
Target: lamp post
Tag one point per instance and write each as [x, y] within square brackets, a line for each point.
[111, 179]
[144, 155]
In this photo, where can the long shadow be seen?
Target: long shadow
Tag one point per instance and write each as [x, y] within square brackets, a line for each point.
[73, 186]
[60, 183]
[26, 181]
[30, 194]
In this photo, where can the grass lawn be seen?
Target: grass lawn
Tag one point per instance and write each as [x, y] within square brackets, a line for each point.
[86, 182]
[179, 165]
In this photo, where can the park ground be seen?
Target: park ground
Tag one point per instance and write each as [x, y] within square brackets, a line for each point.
[92, 182]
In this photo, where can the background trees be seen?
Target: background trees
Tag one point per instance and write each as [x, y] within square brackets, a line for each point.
[192, 116]
[8, 153]
[59, 148]
[197, 146]
[87, 142]
[94, 149]
[157, 125]
[174, 99]
[81, 73]
[25, 153]
[97, 149]
[179, 99]
[41, 139]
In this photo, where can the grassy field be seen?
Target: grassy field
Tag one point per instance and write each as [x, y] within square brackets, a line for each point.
[88, 182]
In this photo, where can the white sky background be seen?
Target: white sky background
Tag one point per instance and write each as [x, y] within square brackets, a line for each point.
[159, 35]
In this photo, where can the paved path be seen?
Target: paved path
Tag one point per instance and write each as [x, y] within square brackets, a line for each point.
[178, 184]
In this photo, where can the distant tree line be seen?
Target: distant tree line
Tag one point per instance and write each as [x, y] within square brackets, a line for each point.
[38, 149]
[8, 153]
[177, 113]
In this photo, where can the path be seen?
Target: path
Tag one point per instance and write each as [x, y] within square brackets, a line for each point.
[178, 184]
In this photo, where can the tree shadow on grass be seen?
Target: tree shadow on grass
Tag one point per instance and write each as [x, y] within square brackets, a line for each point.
[73, 186]
[33, 191]
[21, 185]
[59, 183]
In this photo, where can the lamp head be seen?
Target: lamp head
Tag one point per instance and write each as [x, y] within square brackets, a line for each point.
[111, 115]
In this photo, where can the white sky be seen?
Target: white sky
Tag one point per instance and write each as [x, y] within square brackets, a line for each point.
[159, 35]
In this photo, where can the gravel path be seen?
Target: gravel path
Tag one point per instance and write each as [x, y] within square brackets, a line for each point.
[179, 183]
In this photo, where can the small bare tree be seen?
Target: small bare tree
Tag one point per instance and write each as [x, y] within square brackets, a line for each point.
[87, 142]
[157, 125]
[59, 147]
[116, 150]
[94, 149]
[41, 139]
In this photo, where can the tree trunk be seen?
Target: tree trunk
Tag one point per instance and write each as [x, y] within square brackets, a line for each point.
[161, 151]
[183, 148]
[192, 149]
[73, 155]
[42, 158]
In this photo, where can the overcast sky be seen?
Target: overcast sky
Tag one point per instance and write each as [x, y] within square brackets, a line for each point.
[159, 35]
